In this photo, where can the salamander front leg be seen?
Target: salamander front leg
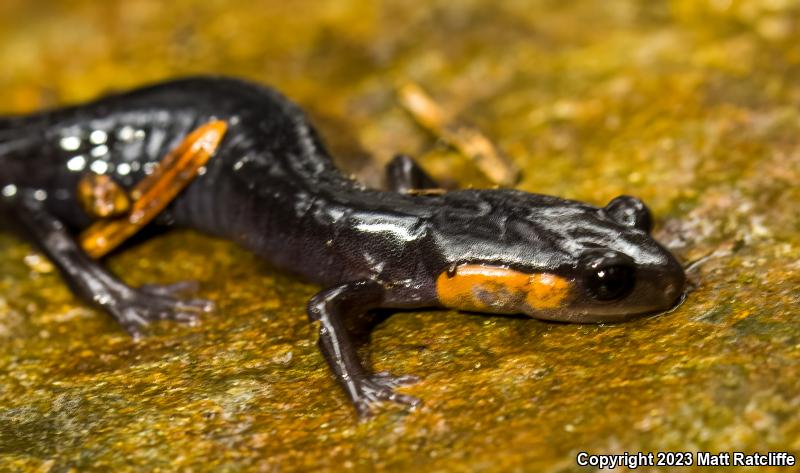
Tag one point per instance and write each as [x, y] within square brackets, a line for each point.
[132, 308]
[364, 389]
[403, 174]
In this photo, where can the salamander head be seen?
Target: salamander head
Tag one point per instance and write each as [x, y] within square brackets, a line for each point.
[513, 252]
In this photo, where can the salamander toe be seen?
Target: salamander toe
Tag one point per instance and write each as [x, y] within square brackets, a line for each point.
[379, 388]
[134, 309]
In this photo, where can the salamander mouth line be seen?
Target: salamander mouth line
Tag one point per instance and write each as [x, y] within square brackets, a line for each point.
[689, 289]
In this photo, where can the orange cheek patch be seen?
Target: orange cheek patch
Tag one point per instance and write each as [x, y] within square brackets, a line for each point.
[547, 291]
[495, 289]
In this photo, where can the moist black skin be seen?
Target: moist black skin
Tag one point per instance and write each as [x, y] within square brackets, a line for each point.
[272, 188]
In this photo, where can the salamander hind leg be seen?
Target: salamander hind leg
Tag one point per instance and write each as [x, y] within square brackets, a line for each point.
[364, 389]
[133, 308]
[403, 174]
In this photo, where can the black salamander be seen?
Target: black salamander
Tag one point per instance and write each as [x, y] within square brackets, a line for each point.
[272, 188]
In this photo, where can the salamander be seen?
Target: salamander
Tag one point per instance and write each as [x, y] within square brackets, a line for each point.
[273, 189]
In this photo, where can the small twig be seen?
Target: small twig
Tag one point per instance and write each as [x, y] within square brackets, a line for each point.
[468, 140]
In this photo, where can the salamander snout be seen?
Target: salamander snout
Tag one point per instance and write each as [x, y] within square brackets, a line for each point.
[613, 287]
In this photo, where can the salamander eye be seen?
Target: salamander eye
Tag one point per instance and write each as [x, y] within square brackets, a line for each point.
[608, 276]
[631, 212]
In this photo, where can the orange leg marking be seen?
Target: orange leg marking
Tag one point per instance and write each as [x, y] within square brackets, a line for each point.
[101, 197]
[155, 192]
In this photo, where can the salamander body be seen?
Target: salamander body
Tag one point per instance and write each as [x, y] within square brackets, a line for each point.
[272, 188]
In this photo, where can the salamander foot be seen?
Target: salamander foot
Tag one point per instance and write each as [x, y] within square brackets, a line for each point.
[378, 388]
[134, 309]
[364, 389]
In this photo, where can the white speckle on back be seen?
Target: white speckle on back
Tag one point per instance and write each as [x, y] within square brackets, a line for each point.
[99, 167]
[99, 151]
[70, 143]
[126, 133]
[9, 190]
[98, 137]
[124, 169]
[77, 164]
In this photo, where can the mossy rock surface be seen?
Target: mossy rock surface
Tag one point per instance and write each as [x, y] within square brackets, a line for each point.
[692, 105]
